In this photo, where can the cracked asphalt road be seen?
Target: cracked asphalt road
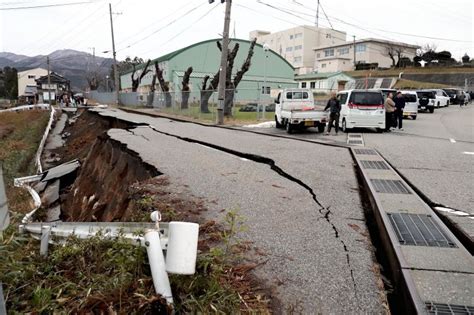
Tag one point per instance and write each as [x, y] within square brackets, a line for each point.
[317, 261]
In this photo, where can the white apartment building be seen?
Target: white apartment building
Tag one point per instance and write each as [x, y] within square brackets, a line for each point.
[340, 57]
[26, 80]
[297, 44]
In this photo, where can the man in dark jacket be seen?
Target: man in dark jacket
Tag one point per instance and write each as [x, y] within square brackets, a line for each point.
[334, 110]
[399, 106]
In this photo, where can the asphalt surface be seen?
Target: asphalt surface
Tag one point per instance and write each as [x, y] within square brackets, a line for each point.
[315, 265]
[430, 153]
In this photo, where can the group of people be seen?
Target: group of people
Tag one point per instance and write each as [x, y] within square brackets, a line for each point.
[393, 112]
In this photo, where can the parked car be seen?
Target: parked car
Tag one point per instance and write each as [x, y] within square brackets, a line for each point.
[426, 101]
[361, 109]
[270, 108]
[411, 104]
[453, 95]
[250, 107]
[442, 99]
[295, 110]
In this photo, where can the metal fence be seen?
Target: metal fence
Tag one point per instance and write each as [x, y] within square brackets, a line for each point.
[248, 104]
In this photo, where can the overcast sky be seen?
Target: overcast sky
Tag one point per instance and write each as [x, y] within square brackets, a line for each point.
[151, 28]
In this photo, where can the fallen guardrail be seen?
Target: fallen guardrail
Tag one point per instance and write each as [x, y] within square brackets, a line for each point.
[26, 107]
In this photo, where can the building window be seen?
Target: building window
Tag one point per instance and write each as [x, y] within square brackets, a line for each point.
[266, 90]
[329, 52]
[299, 35]
[289, 49]
[297, 59]
[31, 76]
[361, 47]
[323, 65]
[318, 55]
[291, 36]
[343, 51]
[312, 85]
[303, 85]
[299, 47]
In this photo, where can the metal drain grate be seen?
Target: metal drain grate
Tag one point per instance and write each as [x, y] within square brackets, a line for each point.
[365, 151]
[355, 136]
[389, 186]
[377, 165]
[448, 309]
[419, 230]
[355, 142]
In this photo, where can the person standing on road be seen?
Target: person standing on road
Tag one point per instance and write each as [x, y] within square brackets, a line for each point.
[389, 112]
[461, 99]
[399, 106]
[334, 107]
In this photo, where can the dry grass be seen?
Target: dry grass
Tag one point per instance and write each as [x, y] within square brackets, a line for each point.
[20, 134]
[395, 72]
[410, 84]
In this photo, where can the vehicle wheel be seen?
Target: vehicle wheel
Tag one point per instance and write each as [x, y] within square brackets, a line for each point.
[321, 128]
[289, 128]
[277, 124]
[431, 110]
[439, 104]
[447, 103]
[413, 117]
[379, 130]
[344, 126]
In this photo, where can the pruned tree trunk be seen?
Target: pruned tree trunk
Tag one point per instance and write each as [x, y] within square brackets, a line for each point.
[185, 90]
[207, 91]
[151, 97]
[232, 86]
[163, 85]
[136, 81]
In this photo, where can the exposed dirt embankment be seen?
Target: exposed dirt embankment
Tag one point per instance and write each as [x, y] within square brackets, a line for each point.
[100, 193]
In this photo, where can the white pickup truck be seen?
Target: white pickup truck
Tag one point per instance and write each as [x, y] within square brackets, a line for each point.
[295, 109]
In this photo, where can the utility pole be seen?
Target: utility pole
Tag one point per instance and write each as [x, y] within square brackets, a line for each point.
[49, 81]
[317, 15]
[223, 69]
[353, 36]
[116, 78]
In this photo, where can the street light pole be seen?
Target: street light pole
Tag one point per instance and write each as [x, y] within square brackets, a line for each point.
[116, 78]
[107, 83]
[223, 68]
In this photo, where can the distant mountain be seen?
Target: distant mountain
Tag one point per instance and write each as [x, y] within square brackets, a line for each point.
[72, 64]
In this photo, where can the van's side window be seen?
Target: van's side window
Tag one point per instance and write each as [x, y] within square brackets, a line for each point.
[342, 98]
[289, 95]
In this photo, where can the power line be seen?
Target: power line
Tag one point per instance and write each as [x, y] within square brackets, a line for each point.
[160, 29]
[46, 6]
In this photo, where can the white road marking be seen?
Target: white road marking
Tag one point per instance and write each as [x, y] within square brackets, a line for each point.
[469, 153]
[452, 140]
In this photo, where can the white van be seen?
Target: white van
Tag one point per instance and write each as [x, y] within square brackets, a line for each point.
[361, 109]
[442, 99]
[411, 104]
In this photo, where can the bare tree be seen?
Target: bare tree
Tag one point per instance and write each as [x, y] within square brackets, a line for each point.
[185, 90]
[230, 92]
[206, 91]
[93, 80]
[136, 81]
[165, 86]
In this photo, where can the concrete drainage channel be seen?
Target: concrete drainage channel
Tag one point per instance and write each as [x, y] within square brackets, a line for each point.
[431, 269]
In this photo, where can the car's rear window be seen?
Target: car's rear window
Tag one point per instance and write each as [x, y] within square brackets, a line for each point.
[297, 95]
[426, 94]
[366, 98]
[410, 98]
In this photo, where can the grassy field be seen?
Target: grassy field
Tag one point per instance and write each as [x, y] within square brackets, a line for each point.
[395, 72]
[20, 135]
[238, 118]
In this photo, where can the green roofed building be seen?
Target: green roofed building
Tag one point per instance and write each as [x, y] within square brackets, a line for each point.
[205, 56]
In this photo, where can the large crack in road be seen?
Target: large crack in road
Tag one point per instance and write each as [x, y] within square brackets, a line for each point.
[324, 211]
